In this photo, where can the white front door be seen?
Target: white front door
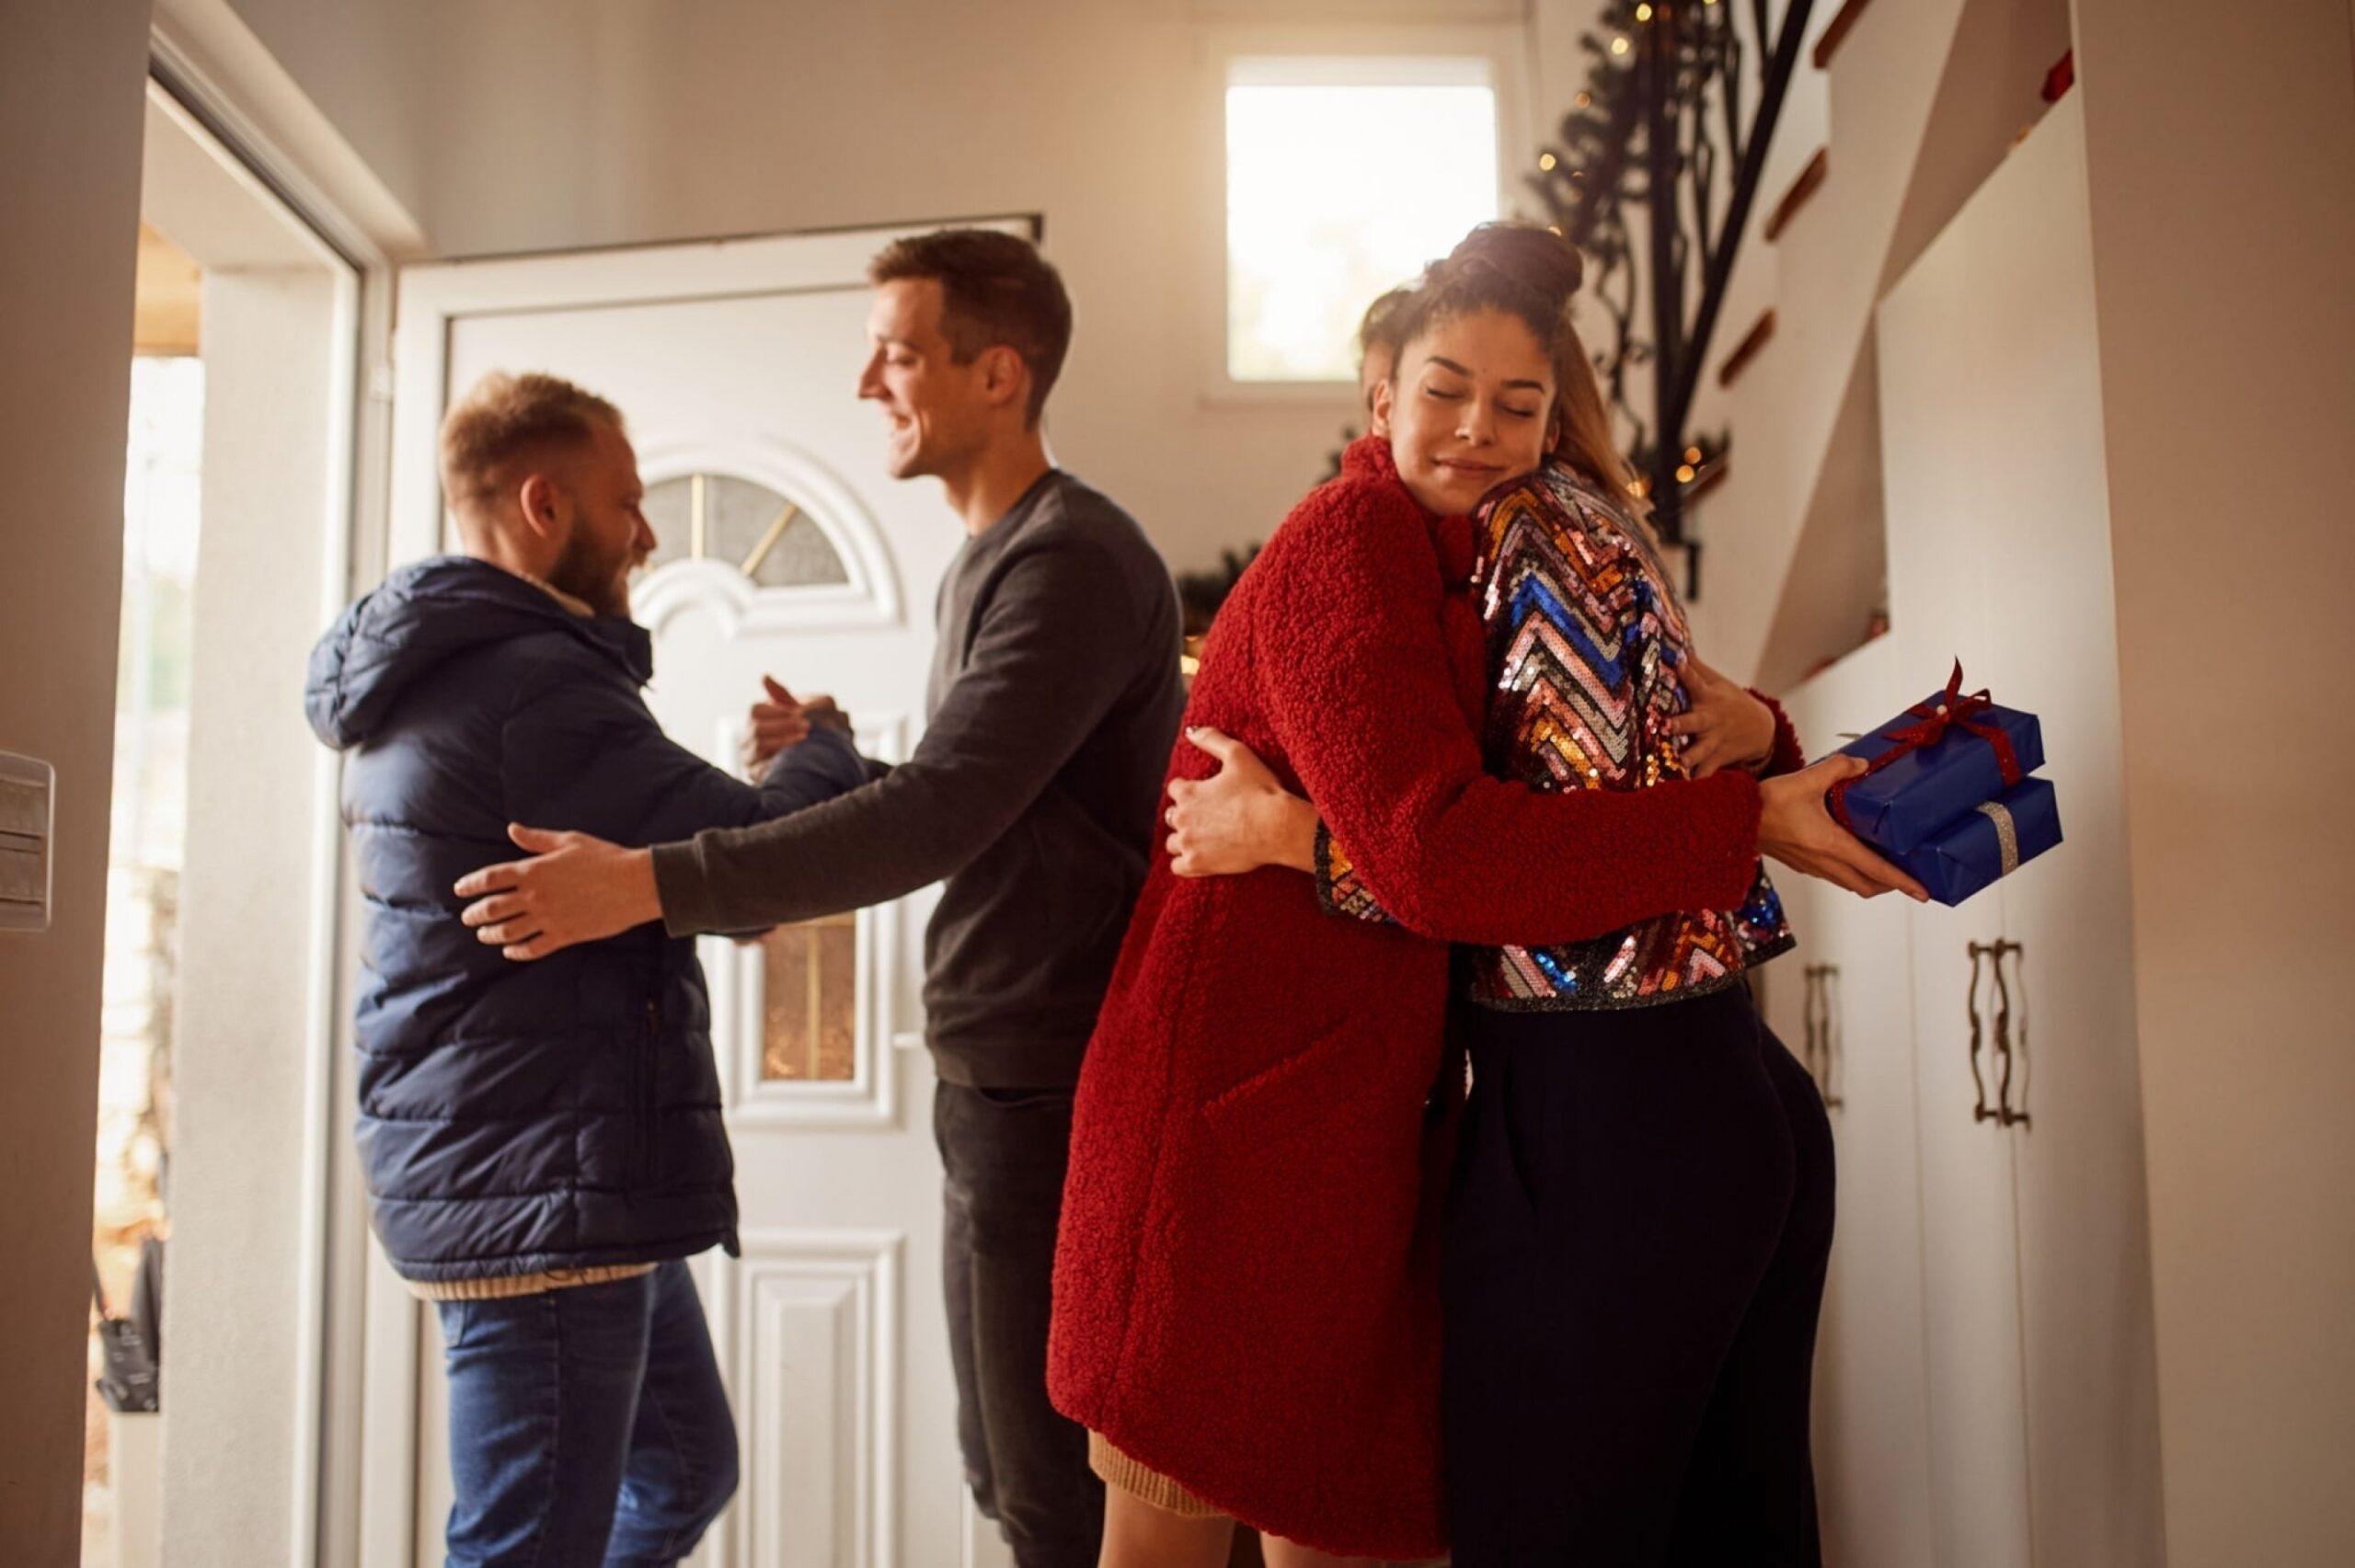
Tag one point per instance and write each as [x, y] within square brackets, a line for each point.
[784, 550]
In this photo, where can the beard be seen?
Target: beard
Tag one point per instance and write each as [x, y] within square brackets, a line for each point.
[599, 579]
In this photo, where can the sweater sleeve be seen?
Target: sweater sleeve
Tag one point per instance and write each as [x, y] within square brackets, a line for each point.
[1787, 757]
[1360, 697]
[820, 766]
[1036, 683]
[584, 753]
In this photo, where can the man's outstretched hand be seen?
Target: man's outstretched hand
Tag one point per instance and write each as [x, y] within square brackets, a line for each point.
[782, 719]
[573, 889]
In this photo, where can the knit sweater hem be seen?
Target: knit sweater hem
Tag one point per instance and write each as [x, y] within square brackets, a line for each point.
[508, 1287]
[415, 1272]
[1116, 1469]
[1384, 1545]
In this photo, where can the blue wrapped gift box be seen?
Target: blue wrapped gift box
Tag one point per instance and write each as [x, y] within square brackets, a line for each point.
[1989, 841]
[1903, 805]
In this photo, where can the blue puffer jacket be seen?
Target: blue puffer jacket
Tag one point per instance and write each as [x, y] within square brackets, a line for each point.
[517, 1117]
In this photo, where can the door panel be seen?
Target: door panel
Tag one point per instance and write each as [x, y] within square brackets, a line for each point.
[1844, 1002]
[1936, 469]
[2033, 391]
[2000, 544]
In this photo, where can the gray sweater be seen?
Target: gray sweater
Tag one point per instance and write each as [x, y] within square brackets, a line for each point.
[1053, 701]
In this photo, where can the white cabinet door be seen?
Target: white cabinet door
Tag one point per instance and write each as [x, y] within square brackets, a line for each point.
[1940, 479]
[787, 551]
[2038, 1290]
[1844, 1002]
[2030, 393]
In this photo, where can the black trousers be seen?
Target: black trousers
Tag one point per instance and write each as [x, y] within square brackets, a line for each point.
[1004, 1152]
[1637, 1241]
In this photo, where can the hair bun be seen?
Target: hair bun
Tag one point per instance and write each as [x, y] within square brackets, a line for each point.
[1529, 253]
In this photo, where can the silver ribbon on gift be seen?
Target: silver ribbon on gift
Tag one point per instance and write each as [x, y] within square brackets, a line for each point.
[2008, 834]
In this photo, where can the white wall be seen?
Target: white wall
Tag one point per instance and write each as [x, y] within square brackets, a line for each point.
[70, 112]
[546, 124]
[1795, 455]
[2220, 153]
[366, 62]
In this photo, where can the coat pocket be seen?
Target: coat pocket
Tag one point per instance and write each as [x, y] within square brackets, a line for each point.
[1295, 1080]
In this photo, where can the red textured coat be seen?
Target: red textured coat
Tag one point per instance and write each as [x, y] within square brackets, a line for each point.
[1247, 1286]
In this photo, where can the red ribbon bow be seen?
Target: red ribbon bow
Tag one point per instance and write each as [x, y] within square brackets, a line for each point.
[1955, 709]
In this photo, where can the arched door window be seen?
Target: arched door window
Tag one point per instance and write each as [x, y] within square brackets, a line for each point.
[719, 517]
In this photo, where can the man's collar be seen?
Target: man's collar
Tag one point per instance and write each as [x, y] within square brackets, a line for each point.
[579, 607]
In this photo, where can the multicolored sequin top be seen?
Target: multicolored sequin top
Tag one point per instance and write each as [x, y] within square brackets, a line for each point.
[1585, 641]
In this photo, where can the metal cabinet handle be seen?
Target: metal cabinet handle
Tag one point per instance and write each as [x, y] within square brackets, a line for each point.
[2001, 1112]
[1981, 1111]
[1813, 976]
[1807, 1021]
[2010, 1041]
[1821, 1017]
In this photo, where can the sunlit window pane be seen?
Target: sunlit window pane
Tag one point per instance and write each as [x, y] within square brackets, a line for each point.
[810, 1027]
[1344, 177]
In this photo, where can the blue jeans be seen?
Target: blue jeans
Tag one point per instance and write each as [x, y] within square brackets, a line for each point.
[587, 1424]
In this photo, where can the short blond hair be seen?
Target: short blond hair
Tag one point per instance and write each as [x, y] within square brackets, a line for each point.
[509, 417]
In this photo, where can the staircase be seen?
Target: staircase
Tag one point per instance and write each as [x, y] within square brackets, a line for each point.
[1902, 109]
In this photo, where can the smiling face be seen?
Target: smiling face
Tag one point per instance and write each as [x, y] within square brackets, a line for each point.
[1470, 406]
[938, 414]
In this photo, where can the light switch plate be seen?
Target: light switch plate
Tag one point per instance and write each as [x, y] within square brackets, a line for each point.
[27, 822]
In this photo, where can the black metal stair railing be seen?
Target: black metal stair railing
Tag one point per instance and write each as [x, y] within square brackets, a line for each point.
[1660, 129]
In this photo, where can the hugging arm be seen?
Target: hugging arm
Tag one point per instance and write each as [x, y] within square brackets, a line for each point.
[1364, 705]
[1725, 726]
[1036, 683]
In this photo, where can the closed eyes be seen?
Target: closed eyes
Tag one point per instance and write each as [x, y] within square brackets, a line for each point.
[1445, 395]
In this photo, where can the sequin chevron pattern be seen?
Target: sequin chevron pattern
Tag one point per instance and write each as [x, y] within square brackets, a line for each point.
[1587, 639]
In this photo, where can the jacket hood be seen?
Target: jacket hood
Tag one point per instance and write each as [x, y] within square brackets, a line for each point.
[433, 611]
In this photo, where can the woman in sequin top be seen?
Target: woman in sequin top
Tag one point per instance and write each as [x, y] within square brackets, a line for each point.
[1247, 1284]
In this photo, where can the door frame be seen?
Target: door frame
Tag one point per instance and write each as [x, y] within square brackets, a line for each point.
[209, 73]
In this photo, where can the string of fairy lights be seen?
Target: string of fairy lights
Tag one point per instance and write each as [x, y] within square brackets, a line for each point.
[1597, 167]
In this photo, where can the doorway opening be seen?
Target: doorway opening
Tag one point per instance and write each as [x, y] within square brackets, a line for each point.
[211, 1145]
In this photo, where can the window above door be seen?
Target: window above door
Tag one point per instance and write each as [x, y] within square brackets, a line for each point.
[1345, 175]
[1342, 161]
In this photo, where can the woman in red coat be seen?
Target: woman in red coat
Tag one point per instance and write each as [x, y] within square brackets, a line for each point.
[1246, 1312]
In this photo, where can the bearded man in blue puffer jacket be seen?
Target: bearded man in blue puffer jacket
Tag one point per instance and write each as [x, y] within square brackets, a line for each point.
[543, 1142]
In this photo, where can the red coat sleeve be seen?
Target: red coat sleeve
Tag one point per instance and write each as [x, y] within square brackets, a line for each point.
[1360, 695]
[1787, 757]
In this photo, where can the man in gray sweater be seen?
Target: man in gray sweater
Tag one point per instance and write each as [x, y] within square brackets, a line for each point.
[1053, 701]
